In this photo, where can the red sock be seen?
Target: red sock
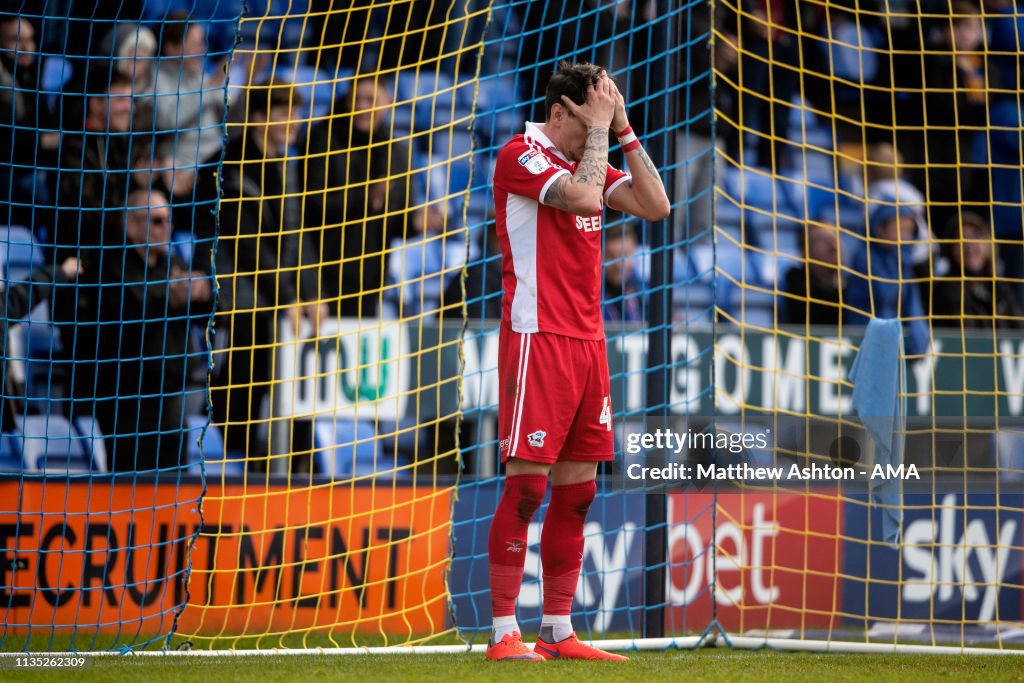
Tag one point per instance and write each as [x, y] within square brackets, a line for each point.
[507, 545]
[561, 543]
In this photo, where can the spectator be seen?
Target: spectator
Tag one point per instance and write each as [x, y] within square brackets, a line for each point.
[768, 60]
[22, 115]
[144, 300]
[623, 288]
[886, 184]
[187, 100]
[957, 85]
[814, 288]
[259, 267]
[881, 282]
[357, 196]
[93, 175]
[972, 295]
[132, 51]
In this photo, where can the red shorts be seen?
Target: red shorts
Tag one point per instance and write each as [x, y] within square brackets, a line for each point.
[555, 400]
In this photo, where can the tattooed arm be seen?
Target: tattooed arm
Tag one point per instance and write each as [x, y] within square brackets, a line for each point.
[644, 196]
[583, 192]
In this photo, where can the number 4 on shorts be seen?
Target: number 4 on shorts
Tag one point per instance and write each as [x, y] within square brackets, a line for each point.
[606, 413]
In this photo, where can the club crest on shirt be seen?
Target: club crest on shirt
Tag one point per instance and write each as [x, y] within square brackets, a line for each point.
[534, 162]
[537, 438]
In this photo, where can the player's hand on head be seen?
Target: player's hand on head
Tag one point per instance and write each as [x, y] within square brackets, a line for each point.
[619, 121]
[599, 108]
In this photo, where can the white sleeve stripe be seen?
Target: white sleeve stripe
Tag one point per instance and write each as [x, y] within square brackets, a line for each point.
[547, 185]
[615, 185]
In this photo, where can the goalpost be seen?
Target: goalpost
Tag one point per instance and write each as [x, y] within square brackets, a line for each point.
[310, 465]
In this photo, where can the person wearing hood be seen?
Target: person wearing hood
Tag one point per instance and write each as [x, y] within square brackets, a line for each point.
[356, 180]
[882, 283]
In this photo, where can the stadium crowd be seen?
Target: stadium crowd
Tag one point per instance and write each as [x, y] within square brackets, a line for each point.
[874, 106]
[112, 157]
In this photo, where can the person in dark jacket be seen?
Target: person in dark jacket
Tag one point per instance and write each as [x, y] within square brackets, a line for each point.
[357, 193]
[263, 266]
[971, 294]
[144, 299]
[25, 144]
[92, 181]
[813, 288]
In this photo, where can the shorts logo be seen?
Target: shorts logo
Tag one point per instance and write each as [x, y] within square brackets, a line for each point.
[504, 443]
[537, 438]
[514, 546]
[534, 162]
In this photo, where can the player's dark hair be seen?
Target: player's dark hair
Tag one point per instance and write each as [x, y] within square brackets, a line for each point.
[572, 80]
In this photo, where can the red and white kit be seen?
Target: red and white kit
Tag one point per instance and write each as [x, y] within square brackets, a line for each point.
[555, 400]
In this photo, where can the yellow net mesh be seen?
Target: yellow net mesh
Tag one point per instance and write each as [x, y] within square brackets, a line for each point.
[341, 216]
[870, 168]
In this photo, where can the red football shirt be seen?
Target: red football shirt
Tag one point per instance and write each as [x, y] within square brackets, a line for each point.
[551, 266]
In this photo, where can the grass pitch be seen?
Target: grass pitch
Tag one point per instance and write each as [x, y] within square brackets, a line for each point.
[728, 666]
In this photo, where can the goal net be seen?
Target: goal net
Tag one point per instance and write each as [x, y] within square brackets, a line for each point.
[251, 293]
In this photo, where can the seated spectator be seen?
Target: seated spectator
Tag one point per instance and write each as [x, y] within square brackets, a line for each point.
[623, 288]
[356, 198]
[144, 301]
[971, 294]
[259, 268]
[187, 100]
[886, 184]
[881, 282]
[813, 289]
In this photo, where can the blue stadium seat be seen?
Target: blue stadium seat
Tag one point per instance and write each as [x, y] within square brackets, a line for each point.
[342, 446]
[217, 460]
[55, 72]
[433, 97]
[32, 350]
[49, 444]
[498, 113]
[317, 87]
[19, 253]
[10, 453]
[89, 431]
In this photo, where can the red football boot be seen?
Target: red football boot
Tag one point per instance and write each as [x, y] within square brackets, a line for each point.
[572, 648]
[510, 649]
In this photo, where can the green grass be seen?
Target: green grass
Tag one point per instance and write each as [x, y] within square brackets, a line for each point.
[650, 667]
